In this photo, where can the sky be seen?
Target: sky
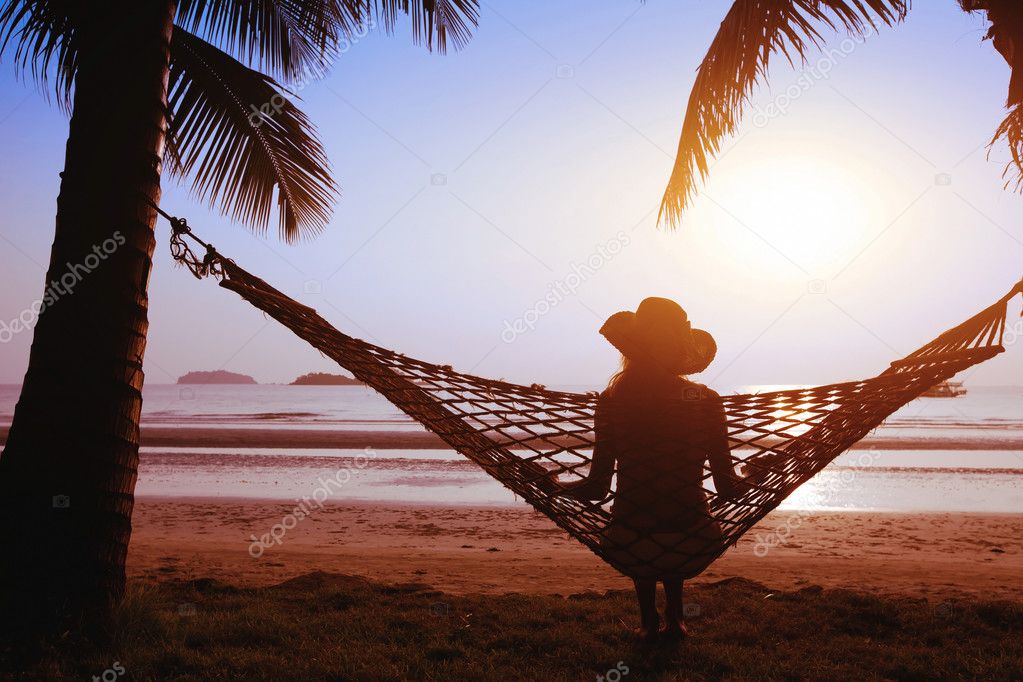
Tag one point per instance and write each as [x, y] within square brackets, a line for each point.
[500, 202]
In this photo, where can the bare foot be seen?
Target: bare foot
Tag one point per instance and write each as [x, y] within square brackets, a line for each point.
[675, 631]
[646, 635]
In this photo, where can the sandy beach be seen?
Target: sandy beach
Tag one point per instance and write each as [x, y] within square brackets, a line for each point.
[497, 550]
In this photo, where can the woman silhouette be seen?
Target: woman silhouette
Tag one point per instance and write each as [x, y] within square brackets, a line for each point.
[660, 429]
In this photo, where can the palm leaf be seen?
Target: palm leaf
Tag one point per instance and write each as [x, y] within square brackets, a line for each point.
[283, 38]
[287, 38]
[1011, 129]
[233, 164]
[239, 160]
[434, 22]
[752, 32]
[42, 36]
[1006, 33]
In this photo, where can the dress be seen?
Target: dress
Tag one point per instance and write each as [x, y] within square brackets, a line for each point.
[660, 521]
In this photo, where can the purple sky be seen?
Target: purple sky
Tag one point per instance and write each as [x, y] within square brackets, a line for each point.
[830, 239]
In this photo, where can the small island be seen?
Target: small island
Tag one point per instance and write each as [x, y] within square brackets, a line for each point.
[325, 379]
[215, 377]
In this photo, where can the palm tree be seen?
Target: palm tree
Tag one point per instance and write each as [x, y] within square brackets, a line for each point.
[148, 82]
[754, 31]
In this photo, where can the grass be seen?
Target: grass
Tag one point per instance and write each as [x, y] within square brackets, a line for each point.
[335, 627]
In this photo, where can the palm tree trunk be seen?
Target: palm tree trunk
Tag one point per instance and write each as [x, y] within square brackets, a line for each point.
[67, 474]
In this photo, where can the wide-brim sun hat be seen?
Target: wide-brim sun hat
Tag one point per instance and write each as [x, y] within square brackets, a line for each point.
[659, 332]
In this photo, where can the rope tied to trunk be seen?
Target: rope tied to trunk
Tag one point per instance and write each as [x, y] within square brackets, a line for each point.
[211, 263]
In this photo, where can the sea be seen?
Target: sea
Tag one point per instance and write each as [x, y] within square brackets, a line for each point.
[936, 455]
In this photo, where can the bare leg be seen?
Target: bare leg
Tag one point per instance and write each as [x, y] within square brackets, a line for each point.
[673, 602]
[646, 592]
[673, 623]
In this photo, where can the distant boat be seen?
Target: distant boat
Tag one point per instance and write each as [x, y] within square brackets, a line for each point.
[946, 389]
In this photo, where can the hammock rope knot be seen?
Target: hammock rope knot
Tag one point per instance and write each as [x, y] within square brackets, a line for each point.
[211, 262]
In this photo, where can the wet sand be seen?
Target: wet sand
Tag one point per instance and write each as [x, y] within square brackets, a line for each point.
[415, 438]
[496, 550]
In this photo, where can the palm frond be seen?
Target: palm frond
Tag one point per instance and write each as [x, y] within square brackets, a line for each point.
[42, 35]
[434, 22]
[752, 32]
[1011, 129]
[1006, 34]
[242, 141]
[283, 38]
[288, 38]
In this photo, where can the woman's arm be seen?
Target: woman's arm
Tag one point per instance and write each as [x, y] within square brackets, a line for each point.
[722, 468]
[597, 482]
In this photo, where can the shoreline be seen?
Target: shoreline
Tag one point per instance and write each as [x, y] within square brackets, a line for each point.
[335, 438]
[369, 505]
[496, 550]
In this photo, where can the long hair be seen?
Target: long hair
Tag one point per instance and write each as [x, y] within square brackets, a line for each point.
[641, 380]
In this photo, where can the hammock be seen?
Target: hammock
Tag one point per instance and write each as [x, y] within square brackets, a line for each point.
[520, 435]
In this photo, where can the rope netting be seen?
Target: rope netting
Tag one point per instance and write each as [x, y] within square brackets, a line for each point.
[524, 436]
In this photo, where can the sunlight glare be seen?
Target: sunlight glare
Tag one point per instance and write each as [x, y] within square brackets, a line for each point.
[813, 211]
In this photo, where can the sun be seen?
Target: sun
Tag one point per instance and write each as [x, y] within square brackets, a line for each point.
[801, 208]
